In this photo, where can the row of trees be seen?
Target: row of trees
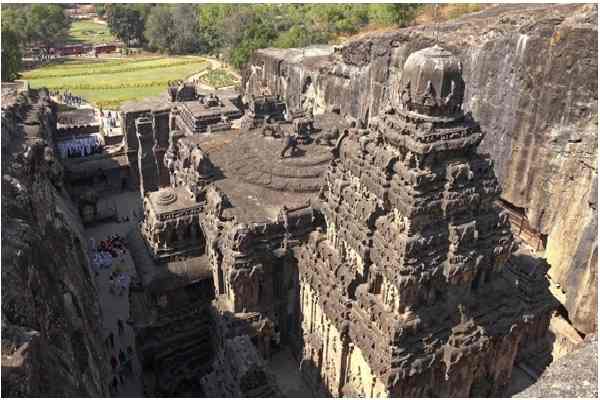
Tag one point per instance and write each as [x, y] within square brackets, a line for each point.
[236, 30]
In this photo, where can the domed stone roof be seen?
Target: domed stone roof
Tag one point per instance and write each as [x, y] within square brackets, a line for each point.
[432, 83]
[166, 196]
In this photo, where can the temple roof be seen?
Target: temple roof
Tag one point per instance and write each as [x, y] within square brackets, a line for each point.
[431, 79]
[169, 199]
[197, 109]
[253, 177]
[156, 103]
[160, 277]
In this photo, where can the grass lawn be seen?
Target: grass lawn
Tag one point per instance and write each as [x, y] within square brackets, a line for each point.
[218, 78]
[88, 31]
[109, 83]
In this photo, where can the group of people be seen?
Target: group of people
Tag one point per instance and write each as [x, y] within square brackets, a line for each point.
[110, 120]
[114, 244]
[82, 146]
[104, 254]
[121, 362]
[70, 99]
[110, 253]
[119, 281]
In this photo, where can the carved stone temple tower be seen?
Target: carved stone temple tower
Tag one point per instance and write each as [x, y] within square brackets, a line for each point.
[412, 290]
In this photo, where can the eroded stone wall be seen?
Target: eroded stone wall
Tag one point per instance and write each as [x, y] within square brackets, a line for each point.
[51, 336]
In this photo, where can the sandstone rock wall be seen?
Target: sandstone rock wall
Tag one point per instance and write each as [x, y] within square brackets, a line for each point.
[575, 375]
[531, 80]
[51, 336]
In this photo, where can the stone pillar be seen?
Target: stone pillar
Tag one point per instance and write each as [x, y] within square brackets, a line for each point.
[160, 131]
[131, 143]
[148, 171]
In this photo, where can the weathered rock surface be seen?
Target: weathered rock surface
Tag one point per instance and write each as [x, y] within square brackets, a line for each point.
[575, 375]
[51, 340]
[531, 80]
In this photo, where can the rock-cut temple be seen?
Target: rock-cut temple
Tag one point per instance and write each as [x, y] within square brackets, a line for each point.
[378, 254]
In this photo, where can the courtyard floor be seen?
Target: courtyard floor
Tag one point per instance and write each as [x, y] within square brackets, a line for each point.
[115, 307]
[285, 368]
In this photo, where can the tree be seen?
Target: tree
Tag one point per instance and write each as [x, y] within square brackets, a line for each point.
[186, 32]
[126, 21]
[300, 36]
[392, 14]
[47, 24]
[100, 10]
[251, 28]
[159, 28]
[11, 55]
[211, 24]
[40, 24]
[173, 29]
[14, 18]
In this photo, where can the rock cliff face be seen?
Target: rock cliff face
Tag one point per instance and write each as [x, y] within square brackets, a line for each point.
[531, 80]
[51, 340]
[575, 375]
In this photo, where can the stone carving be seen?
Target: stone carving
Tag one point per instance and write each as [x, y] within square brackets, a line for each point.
[413, 234]
[328, 138]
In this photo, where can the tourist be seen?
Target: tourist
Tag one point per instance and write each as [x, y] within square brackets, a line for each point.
[122, 357]
[129, 366]
[111, 283]
[113, 363]
[112, 389]
[277, 336]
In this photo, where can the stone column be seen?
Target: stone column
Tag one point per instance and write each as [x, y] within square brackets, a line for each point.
[146, 162]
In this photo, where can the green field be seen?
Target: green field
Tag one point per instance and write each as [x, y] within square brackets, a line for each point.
[109, 83]
[88, 31]
[218, 78]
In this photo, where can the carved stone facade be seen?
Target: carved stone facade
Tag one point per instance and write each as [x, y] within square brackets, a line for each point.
[207, 218]
[148, 125]
[408, 292]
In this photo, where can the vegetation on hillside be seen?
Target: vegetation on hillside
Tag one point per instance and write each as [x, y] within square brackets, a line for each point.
[236, 30]
[445, 12]
[232, 31]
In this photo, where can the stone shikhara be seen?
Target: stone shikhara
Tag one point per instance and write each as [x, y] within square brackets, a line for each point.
[407, 291]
